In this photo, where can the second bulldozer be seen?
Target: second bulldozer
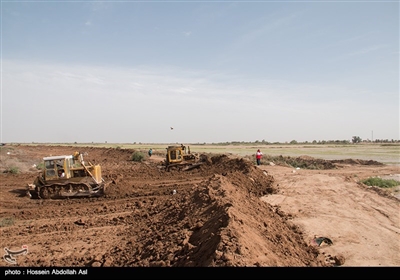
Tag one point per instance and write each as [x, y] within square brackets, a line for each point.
[179, 157]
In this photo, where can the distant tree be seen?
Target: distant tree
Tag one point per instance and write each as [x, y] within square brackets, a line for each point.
[356, 139]
[293, 142]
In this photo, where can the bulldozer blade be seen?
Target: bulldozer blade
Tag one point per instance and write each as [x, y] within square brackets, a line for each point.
[193, 166]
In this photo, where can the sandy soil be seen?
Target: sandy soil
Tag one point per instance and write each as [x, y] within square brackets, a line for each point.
[226, 213]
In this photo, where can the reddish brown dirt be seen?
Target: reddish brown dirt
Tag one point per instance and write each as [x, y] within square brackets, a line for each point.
[225, 213]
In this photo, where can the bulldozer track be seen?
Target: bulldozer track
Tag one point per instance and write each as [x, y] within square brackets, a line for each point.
[66, 190]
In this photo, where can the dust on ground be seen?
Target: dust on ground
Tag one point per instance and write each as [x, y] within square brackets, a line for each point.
[226, 213]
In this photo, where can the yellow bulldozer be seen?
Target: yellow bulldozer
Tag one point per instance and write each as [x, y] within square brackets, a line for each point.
[67, 176]
[179, 157]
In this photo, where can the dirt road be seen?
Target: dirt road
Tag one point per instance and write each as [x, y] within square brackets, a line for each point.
[226, 213]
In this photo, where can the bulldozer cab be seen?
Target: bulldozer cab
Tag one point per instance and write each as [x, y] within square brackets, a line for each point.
[64, 167]
[174, 154]
[57, 167]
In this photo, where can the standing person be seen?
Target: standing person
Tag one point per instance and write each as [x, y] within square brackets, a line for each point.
[150, 152]
[259, 156]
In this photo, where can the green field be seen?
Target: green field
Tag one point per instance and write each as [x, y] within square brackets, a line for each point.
[385, 153]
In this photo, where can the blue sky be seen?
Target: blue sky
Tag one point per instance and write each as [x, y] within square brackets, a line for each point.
[215, 71]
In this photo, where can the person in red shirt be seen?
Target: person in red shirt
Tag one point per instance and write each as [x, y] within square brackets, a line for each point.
[259, 156]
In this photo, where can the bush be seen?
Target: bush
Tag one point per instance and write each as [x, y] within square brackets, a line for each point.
[137, 156]
[6, 222]
[12, 170]
[379, 182]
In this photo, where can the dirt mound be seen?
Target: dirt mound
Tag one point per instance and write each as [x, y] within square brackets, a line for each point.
[308, 162]
[243, 173]
[357, 161]
[210, 226]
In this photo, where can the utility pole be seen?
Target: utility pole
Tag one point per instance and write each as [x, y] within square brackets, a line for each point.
[372, 136]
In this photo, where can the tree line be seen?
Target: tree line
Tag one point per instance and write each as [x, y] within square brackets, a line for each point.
[354, 140]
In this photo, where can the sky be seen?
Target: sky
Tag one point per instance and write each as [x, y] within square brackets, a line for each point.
[214, 71]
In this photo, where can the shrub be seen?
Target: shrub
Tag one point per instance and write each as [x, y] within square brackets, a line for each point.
[137, 156]
[6, 222]
[379, 182]
[12, 169]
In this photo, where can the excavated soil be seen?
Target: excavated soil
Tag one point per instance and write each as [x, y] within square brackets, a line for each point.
[226, 213]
